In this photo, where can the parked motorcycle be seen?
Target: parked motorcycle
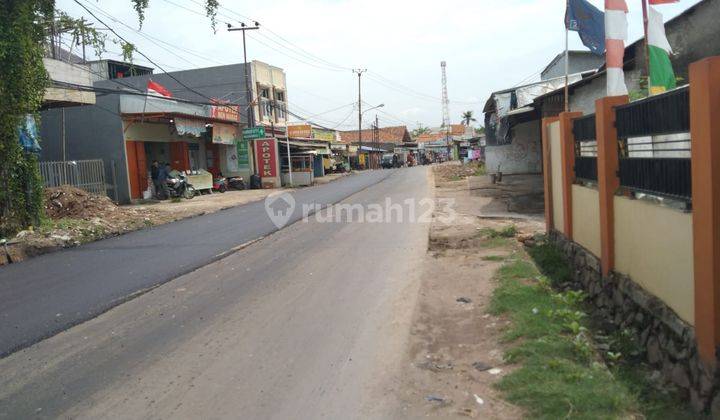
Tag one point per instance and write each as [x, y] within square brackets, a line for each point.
[180, 187]
[220, 184]
[236, 183]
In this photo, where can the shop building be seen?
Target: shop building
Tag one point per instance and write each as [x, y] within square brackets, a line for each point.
[195, 130]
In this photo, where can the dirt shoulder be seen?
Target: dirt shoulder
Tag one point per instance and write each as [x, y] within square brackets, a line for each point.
[455, 351]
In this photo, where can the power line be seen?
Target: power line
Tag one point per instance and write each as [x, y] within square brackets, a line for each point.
[156, 40]
[141, 53]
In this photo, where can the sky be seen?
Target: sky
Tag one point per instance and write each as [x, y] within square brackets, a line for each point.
[488, 46]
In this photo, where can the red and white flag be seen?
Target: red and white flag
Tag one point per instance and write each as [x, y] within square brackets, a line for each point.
[154, 88]
[616, 33]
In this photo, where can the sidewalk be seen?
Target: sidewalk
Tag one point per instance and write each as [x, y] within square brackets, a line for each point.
[169, 211]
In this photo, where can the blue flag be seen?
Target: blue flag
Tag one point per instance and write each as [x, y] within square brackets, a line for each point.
[589, 22]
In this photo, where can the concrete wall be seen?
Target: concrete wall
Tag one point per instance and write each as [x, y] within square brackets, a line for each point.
[556, 176]
[579, 62]
[522, 156]
[76, 74]
[654, 247]
[586, 218]
[91, 132]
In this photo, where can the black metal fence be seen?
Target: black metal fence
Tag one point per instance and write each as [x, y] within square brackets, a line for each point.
[654, 147]
[585, 148]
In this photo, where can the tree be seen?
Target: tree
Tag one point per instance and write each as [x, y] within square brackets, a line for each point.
[26, 27]
[467, 117]
[420, 130]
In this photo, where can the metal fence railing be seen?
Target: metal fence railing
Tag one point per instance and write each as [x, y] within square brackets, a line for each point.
[654, 145]
[585, 148]
[88, 175]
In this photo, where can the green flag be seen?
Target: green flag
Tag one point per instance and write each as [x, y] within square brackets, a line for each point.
[662, 77]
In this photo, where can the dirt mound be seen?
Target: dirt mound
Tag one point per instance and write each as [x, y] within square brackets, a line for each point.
[71, 202]
[455, 171]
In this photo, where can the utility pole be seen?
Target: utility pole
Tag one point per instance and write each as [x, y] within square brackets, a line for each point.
[359, 73]
[445, 109]
[248, 92]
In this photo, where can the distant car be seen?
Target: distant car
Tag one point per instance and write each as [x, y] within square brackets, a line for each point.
[387, 161]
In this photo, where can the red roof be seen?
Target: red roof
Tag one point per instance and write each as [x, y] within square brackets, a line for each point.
[397, 135]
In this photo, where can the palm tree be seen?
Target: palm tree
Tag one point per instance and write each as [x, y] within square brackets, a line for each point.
[420, 130]
[467, 117]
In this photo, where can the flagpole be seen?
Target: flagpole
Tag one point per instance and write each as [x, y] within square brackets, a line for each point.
[567, 58]
[647, 45]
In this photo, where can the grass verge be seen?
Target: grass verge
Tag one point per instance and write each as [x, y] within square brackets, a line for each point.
[563, 373]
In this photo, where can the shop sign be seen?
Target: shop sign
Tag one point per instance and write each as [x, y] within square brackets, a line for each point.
[320, 134]
[302, 131]
[243, 154]
[254, 133]
[266, 152]
[225, 112]
[224, 134]
[188, 127]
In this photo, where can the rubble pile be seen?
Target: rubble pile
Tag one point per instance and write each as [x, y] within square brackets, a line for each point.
[70, 202]
[456, 172]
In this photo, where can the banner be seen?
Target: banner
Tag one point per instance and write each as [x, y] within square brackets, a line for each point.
[224, 134]
[188, 127]
[243, 154]
[320, 134]
[303, 131]
[231, 158]
[225, 112]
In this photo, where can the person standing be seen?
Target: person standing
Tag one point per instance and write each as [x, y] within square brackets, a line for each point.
[162, 176]
[154, 172]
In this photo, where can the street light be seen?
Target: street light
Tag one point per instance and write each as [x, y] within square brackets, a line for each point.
[375, 107]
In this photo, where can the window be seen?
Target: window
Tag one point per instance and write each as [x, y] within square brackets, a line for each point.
[265, 105]
[280, 108]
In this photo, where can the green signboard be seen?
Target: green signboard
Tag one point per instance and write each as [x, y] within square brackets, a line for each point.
[243, 154]
[254, 133]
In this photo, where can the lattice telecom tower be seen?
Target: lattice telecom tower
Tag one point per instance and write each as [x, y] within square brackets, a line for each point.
[445, 106]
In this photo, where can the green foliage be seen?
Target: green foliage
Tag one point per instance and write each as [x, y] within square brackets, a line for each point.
[552, 262]
[506, 232]
[25, 28]
[561, 374]
[420, 130]
[22, 85]
[559, 377]
[468, 117]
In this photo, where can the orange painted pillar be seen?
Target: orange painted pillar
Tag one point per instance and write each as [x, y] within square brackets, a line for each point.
[705, 135]
[608, 181]
[547, 172]
[567, 143]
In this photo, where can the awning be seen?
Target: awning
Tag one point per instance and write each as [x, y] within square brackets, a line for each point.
[522, 110]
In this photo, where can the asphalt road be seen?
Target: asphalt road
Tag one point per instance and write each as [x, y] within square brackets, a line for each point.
[310, 322]
[48, 294]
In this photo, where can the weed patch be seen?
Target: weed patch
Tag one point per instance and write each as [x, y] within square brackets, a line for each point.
[563, 372]
[493, 258]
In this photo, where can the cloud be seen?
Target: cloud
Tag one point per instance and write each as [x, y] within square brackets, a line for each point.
[488, 45]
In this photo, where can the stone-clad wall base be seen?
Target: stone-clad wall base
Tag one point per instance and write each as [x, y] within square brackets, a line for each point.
[669, 342]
